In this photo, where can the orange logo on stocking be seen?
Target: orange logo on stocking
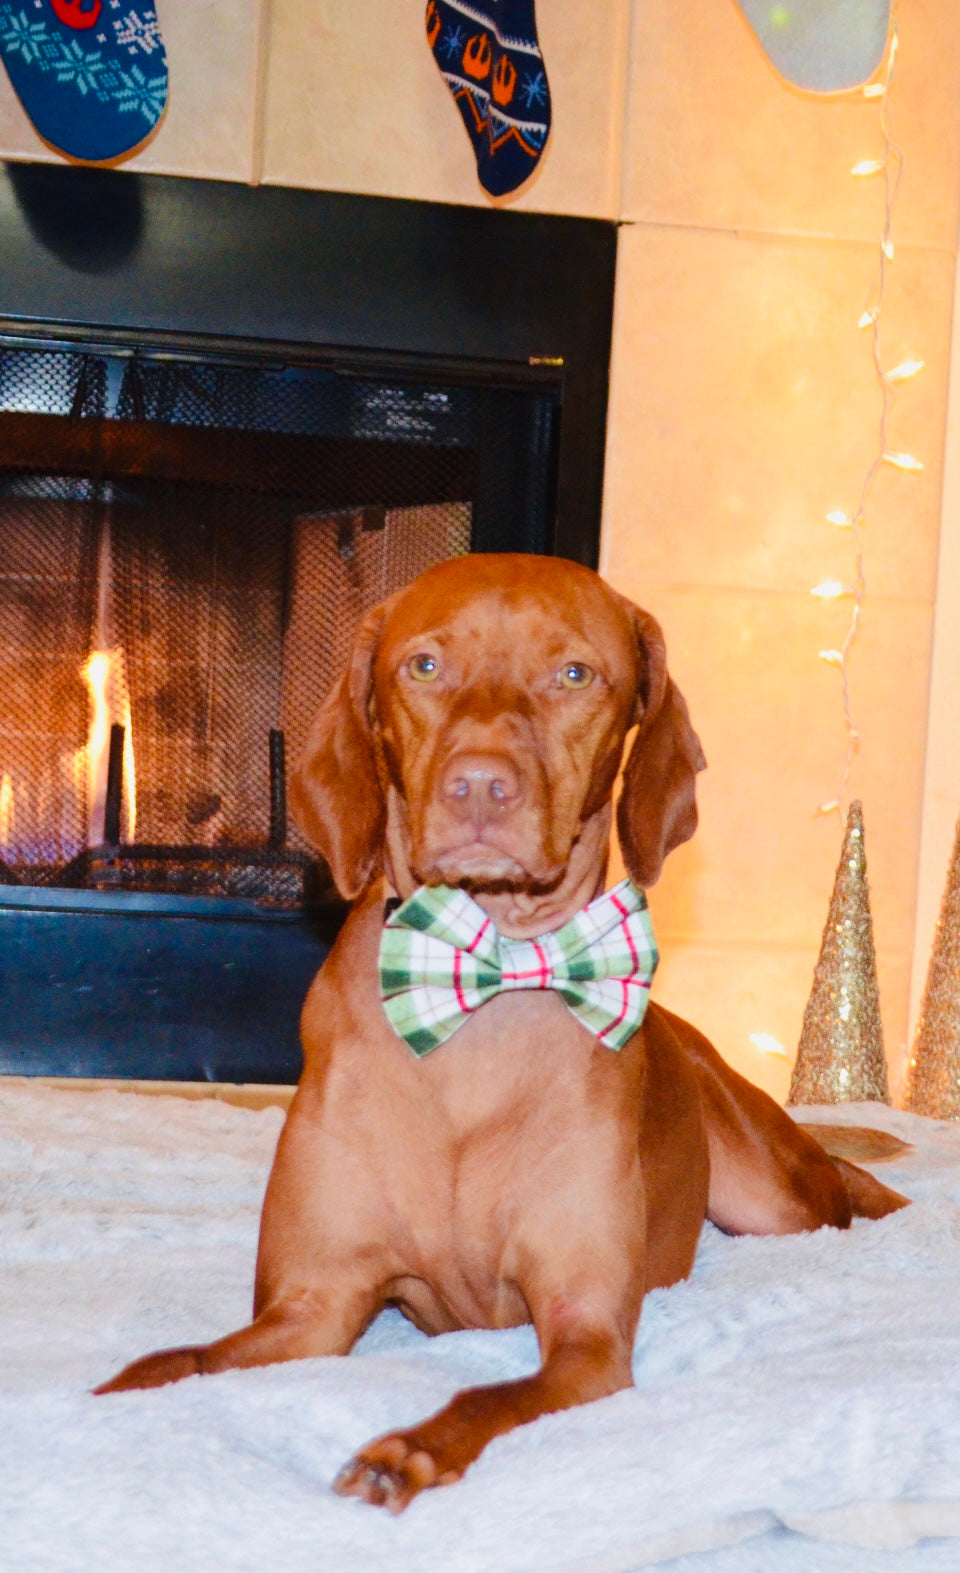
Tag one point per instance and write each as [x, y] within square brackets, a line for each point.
[504, 80]
[477, 56]
[433, 23]
[72, 14]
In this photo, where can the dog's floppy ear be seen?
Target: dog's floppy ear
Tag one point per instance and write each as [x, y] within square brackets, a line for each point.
[658, 807]
[335, 792]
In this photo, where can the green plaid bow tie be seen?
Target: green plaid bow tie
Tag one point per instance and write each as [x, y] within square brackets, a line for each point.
[441, 958]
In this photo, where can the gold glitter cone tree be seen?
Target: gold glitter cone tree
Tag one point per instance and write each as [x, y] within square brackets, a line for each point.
[841, 1057]
[933, 1080]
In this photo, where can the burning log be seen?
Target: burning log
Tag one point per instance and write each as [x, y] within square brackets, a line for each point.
[278, 790]
[114, 797]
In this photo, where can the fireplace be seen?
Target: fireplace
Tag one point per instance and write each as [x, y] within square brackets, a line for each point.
[202, 490]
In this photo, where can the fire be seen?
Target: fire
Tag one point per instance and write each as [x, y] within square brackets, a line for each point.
[7, 817]
[103, 673]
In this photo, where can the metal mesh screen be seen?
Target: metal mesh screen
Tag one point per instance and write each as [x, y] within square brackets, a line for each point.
[185, 552]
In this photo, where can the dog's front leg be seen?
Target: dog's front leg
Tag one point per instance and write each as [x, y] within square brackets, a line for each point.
[583, 1359]
[301, 1325]
[321, 1267]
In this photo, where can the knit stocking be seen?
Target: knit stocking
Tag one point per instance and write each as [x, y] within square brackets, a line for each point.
[91, 74]
[488, 53]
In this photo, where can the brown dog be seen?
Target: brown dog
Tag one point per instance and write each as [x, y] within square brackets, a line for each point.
[522, 1171]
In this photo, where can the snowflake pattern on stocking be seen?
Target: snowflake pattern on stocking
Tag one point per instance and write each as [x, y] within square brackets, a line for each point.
[94, 104]
[83, 68]
[141, 93]
[139, 33]
[20, 36]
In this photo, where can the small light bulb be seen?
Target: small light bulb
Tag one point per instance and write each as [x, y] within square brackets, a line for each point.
[903, 461]
[874, 90]
[906, 368]
[830, 589]
[888, 250]
[869, 317]
[768, 1044]
[867, 166]
[842, 520]
[828, 808]
[832, 657]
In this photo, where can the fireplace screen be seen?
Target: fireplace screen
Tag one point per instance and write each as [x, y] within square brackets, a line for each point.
[185, 550]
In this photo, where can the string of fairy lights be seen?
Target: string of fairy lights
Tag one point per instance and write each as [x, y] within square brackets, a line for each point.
[888, 167]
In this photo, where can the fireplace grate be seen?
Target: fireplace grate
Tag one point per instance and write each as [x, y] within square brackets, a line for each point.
[186, 548]
[272, 879]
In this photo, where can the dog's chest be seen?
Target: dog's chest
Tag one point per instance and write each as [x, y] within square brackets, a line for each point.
[486, 1145]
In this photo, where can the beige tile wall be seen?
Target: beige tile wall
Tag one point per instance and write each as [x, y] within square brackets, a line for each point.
[941, 795]
[715, 138]
[744, 405]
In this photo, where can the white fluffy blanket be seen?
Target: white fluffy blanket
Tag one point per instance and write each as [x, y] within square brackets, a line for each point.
[797, 1403]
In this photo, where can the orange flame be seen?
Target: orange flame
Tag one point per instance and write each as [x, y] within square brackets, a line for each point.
[103, 673]
[7, 818]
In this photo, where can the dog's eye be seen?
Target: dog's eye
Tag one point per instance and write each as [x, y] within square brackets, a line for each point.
[424, 668]
[575, 675]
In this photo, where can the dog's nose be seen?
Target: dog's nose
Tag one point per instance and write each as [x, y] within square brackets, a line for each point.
[480, 787]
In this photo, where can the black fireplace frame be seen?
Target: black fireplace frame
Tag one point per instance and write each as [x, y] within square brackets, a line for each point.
[106, 257]
[97, 984]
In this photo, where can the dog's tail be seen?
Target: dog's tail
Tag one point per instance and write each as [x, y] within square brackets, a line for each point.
[868, 1198]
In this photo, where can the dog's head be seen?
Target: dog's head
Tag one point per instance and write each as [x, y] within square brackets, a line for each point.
[480, 725]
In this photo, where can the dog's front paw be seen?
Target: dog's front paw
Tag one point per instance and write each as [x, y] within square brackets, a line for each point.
[391, 1471]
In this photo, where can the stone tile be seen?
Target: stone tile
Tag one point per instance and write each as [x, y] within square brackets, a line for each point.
[941, 798]
[745, 406]
[761, 867]
[215, 50]
[715, 139]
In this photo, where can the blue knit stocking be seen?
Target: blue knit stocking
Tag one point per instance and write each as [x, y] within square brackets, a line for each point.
[488, 53]
[91, 74]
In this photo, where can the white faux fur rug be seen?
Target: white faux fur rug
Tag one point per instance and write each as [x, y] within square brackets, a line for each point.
[797, 1407]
